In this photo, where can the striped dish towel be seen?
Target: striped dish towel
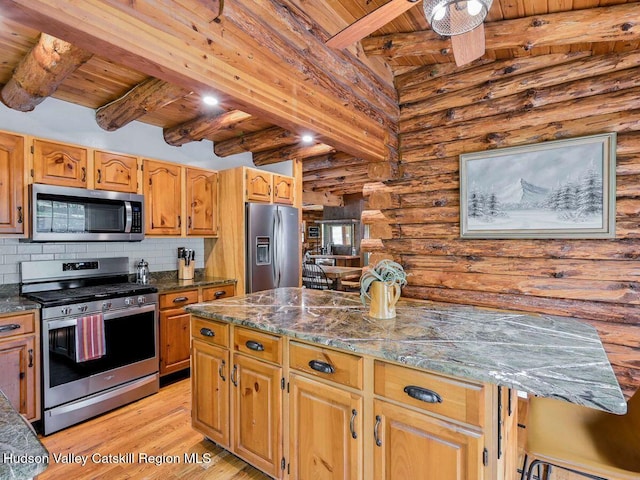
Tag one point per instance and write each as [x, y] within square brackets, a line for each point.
[90, 341]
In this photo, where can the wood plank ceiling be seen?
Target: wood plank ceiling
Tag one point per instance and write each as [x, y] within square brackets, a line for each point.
[404, 50]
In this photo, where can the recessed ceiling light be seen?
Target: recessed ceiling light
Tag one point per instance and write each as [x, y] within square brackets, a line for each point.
[307, 138]
[209, 100]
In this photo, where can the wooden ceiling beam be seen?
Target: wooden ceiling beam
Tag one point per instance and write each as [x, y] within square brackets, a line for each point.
[201, 127]
[268, 139]
[602, 24]
[241, 56]
[41, 71]
[148, 96]
[290, 153]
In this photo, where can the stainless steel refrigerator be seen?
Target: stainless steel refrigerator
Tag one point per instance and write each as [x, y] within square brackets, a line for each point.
[273, 247]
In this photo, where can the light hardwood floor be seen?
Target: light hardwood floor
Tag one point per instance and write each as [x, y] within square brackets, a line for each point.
[158, 425]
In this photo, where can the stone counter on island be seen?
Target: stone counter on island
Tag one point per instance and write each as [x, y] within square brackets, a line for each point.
[22, 455]
[539, 354]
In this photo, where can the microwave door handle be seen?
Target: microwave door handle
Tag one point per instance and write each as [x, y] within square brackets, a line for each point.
[129, 217]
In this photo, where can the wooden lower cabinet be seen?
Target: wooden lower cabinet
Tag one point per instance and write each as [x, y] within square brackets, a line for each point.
[410, 444]
[210, 391]
[174, 337]
[20, 361]
[257, 412]
[326, 437]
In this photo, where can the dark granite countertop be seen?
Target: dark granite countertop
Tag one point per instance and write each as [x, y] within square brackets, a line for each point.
[540, 354]
[11, 301]
[168, 281]
[21, 453]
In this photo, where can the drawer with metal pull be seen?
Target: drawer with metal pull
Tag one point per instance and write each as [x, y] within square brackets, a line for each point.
[17, 324]
[215, 293]
[444, 396]
[258, 344]
[210, 331]
[339, 367]
[178, 299]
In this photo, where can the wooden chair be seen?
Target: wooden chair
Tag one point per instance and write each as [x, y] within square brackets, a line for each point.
[582, 440]
[313, 276]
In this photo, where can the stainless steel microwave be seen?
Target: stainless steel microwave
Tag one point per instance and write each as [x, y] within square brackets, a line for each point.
[66, 214]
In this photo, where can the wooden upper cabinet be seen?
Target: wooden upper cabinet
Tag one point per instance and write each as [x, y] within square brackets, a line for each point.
[258, 186]
[202, 202]
[115, 172]
[59, 164]
[13, 209]
[283, 189]
[162, 190]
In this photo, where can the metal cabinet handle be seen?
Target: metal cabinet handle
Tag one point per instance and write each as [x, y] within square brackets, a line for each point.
[84, 174]
[99, 176]
[189, 221]
[219, 293]
[179, 221]
[376, 431]
[255, 346]
[30, 357]
[322, 367]
[352, 423]
[207, 332]
[8, 328]
[180, 299]
[422, 394]
[234, 380]
[222, 365]
[20, 219]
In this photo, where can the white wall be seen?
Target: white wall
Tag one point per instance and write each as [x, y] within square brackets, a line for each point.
[57, 120]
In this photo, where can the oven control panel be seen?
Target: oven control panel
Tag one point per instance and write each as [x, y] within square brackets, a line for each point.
[88, 308]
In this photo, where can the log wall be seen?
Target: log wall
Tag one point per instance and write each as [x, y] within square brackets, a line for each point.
[415, 217]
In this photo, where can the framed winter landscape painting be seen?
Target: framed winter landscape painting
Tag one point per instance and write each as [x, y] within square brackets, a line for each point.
[557, 189]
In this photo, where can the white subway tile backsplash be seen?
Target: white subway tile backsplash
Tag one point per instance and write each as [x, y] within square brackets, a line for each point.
[160, 253]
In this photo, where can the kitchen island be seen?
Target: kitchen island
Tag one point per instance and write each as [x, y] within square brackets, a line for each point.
[429, 358]
[22, 454]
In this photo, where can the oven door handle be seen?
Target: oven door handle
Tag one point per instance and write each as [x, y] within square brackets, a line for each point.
[73, 321]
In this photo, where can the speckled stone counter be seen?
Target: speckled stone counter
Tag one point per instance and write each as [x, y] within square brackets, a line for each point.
[22, 456]
[11, 301]
[168, 281]
[540, 354]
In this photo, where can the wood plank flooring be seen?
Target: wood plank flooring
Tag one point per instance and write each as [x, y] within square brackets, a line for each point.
[159, 425]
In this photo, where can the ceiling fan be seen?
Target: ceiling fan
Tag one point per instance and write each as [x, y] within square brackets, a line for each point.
[462, 20]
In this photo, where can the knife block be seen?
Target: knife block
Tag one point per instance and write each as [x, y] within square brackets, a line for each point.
[185, 272]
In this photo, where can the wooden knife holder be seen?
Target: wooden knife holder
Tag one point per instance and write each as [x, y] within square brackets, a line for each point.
[185, 272]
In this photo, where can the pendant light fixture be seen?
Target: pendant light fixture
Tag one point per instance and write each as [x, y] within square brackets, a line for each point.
[455, 17]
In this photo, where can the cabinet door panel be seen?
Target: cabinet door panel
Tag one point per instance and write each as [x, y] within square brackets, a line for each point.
[210, 391]
[162, 188]
[174, 341]
[283, 189]
[323, 422]
[17, 375]
[415, 445]
[257, 402]
[202, 208]
[115, 172]
[12, 184]
[259, 186]
[59, 164]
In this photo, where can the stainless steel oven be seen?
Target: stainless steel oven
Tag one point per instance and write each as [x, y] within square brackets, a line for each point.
[76, 388]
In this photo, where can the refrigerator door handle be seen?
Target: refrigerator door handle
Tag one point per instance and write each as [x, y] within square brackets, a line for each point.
[274, 249]
[279, 248]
